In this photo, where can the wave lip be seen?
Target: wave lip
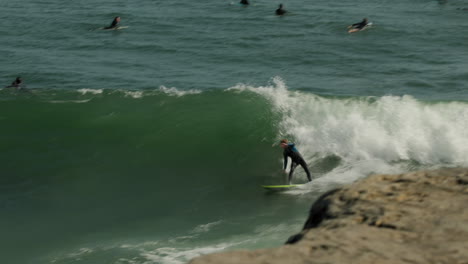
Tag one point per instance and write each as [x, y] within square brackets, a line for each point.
[389, 128]
[176, 92]
[394, 133]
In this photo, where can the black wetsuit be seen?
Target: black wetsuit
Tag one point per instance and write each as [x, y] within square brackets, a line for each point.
[16, 83]
[296, 159]
[244, 2]
[114, 24]
[360, 25]
[280, 11]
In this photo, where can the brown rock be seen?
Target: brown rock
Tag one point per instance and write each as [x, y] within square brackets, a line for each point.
[418, 217]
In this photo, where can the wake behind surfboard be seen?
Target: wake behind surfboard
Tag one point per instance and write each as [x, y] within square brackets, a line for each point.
[281, 188]
[114, 28]
[105, 28]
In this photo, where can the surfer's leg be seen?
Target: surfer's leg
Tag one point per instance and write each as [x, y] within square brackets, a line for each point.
[304, 166]
[291, 171]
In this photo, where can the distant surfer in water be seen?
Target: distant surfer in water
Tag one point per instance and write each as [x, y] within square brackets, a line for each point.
[114, 23]
[244, 2]
[280, 11]
[358, 26]
[16, 83]
[296, 159]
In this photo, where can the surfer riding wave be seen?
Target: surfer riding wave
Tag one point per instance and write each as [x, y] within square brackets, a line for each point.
[296, 159]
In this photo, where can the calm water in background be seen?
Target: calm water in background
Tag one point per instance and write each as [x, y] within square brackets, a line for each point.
[149, 144]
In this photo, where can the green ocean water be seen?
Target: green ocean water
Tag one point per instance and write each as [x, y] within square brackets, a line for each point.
[149, 144]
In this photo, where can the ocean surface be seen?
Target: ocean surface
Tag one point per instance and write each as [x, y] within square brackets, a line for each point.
[150, 144]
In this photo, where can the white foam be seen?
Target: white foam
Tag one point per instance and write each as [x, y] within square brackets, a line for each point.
[127, 261]
[80, 252]
[134, 94]
[173, 251]
[168, 255]
[369, 135]
[91, 91]
[345, 174]
[277, 93]
[206, 227]
[144, 244]
[69, 101]
[76, 255]
[175, 92]
[388, 129]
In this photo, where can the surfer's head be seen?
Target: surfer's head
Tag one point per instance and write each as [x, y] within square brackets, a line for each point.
[117, 19]
[284, 143]
[281, 6]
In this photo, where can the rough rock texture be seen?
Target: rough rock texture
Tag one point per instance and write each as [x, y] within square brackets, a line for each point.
[419, 217]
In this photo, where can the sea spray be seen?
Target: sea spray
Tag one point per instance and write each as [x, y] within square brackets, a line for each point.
[392, 132]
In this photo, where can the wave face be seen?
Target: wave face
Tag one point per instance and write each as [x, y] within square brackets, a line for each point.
[149, 144]
[163, 175]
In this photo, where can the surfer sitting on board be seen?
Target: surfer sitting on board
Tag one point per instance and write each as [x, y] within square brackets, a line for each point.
[360, 25]
[114, 24]
[296, 159]
[280, 11]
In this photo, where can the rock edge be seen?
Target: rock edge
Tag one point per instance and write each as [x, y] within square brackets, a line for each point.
[417, 217]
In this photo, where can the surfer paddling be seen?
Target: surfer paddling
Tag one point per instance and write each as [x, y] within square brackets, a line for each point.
[358, 26]
[296, 159]
[114, 24]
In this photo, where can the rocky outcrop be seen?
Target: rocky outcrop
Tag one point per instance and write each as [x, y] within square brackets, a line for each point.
[419, 217]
